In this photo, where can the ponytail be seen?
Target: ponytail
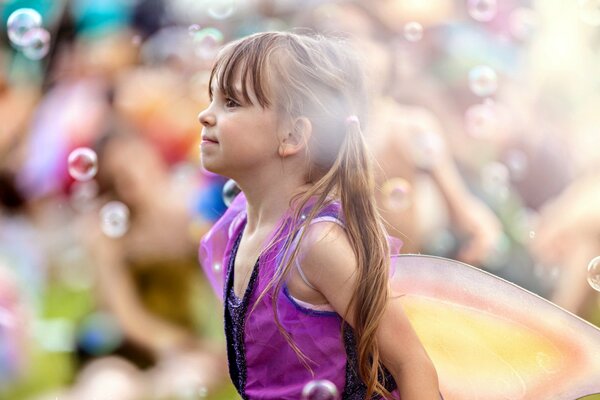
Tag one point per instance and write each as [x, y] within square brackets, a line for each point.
[368, 239]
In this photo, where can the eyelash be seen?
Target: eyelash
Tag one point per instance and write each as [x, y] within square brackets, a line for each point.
[230, 100]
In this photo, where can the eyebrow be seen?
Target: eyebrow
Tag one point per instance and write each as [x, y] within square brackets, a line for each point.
[237, 91]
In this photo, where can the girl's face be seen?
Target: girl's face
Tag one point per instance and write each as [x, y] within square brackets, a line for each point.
[237, 137]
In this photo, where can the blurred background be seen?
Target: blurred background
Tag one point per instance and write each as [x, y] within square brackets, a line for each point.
[484, 122]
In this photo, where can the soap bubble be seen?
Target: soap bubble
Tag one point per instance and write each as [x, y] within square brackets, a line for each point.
[320, 390]
[222, 9]
[83, 195]
[83, 164]
[522, 23]
[36, 43]
[114, 219]
[481, 121]
[482, 10]
[517, 163]
[413, 31]
[396, 193]
[207, 42]
[483, 80]
[426, 148]
[20, 22]
[193, 29]
[593, 276]
[230, 190]
[495, 179]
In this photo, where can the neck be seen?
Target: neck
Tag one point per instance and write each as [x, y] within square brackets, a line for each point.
[267, 202]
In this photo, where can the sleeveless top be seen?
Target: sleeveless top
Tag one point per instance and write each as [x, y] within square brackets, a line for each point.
[262, 364]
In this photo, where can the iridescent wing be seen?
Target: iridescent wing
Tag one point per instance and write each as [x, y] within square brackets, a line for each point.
[490, 339]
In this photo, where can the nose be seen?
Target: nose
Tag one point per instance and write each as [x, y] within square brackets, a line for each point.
[207, 118]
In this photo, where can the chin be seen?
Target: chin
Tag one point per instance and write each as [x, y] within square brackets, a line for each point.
[211, 167]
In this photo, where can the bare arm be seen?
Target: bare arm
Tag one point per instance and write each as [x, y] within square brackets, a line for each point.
[116, 290]
[330, 265]
[471, 215]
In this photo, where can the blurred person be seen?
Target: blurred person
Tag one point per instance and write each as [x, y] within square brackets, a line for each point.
[148, 278]
[285, 123]
[21, 275]
[419, 185]
[566, 235]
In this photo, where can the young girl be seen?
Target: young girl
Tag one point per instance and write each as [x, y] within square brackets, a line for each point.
[301, 256]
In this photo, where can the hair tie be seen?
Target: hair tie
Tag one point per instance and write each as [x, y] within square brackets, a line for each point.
[352, 119]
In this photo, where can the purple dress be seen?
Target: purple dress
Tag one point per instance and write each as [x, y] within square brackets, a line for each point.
[262, 364]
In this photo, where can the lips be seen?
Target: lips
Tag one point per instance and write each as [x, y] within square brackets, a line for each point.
[209, 139]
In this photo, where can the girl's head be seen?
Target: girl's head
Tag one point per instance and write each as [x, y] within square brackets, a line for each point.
[310, 91]
[302, 87]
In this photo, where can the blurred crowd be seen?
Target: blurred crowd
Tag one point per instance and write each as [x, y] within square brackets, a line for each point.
[483, 125]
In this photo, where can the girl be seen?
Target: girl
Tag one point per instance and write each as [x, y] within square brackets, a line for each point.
[301, 256]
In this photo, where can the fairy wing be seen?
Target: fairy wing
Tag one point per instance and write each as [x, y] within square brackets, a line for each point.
[490, 339]
[213, 246]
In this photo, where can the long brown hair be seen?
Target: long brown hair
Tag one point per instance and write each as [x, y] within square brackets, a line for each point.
[321, 79]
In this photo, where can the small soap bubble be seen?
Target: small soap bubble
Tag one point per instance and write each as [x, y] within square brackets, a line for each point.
[207, 42]
[230, 190]
[495, 179]
[483, 80]
[593, 276]
[320, 390]
[222, 9]
[413, 31]
[193, 29]
[36, 43]
[589, 12]
[83, 164]
[522, 23]
[517, 163]
[114, 219]
[481, 121]
[396, 193]
[20, 22]
[482, 10]
[83, 194]
[426, 149]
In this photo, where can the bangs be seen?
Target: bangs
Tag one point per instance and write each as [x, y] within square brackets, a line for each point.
[245, 62]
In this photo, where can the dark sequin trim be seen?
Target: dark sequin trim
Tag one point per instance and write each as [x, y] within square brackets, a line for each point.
[355, 388]
[235, 318]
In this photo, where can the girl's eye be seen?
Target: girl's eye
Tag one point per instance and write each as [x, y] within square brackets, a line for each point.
[230, 103]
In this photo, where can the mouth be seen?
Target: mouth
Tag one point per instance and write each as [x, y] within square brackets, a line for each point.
[206, 139]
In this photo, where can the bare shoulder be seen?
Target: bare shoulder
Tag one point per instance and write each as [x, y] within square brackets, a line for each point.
[328, 261]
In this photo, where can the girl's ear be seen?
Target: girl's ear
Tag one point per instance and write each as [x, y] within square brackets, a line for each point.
[296, 139]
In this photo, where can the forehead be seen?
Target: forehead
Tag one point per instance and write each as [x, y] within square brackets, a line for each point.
[243, 71]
